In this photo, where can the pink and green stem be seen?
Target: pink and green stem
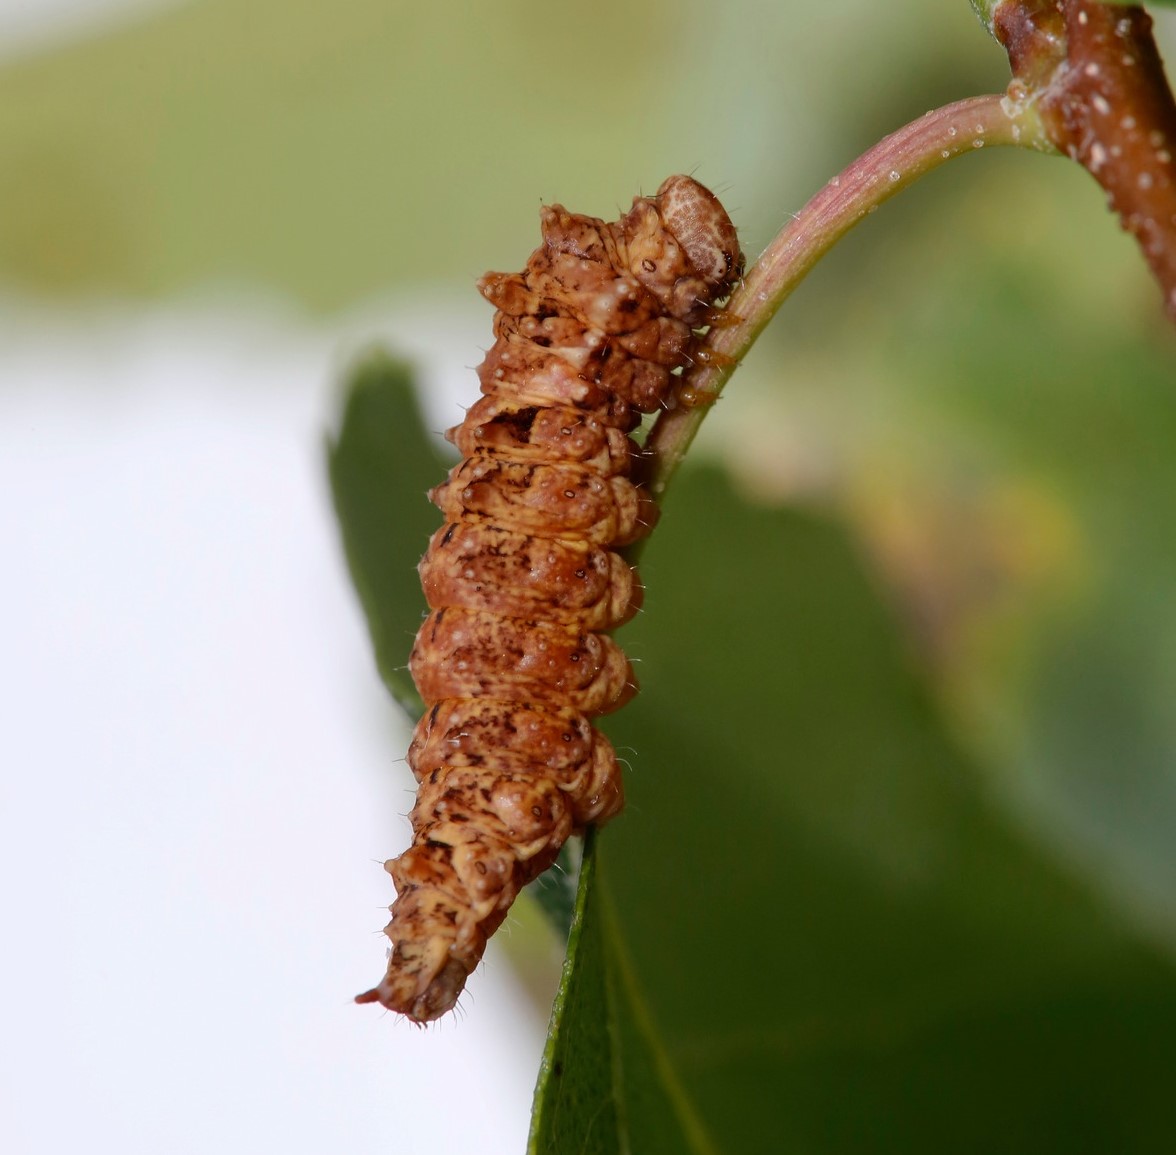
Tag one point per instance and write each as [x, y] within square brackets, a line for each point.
[889, 167]
[1087, 82]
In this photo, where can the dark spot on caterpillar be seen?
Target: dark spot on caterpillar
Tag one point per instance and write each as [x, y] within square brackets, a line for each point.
[508, 718]
[519, 419]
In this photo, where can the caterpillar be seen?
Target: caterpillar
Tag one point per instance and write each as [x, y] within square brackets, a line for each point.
[524, 580]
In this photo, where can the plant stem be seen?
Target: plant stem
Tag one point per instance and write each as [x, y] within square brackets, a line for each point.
[886, 169]
[1105, 102]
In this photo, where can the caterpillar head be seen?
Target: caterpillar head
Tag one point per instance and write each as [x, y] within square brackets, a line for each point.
[681, 245]
[696, 220]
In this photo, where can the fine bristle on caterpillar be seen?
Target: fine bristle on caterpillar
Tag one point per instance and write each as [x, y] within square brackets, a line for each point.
[523, 579]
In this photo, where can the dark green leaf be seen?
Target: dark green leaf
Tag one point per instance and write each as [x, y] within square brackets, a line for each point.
[575, 1108]
[602, 1089]
[835, 940]
[381, 466]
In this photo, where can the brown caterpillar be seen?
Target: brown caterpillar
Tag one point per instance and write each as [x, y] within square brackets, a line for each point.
[523, 577]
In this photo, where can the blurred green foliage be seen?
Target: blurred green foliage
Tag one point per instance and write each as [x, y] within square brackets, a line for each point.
[380, 471]
[332, 150]
[899, 870]
[815, 928]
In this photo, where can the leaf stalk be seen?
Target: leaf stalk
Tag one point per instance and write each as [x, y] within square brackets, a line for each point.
[890, 166]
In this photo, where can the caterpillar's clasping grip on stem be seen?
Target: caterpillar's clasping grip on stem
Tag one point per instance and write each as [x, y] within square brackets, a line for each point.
[524, 580]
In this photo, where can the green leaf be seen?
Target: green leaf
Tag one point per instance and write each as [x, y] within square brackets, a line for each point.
[575, 1107]
[602, 1087]
[813, 928]
[820, 933]
[381, 465]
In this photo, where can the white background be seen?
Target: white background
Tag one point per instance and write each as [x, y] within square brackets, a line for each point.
[199, 764]
[198, 775]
